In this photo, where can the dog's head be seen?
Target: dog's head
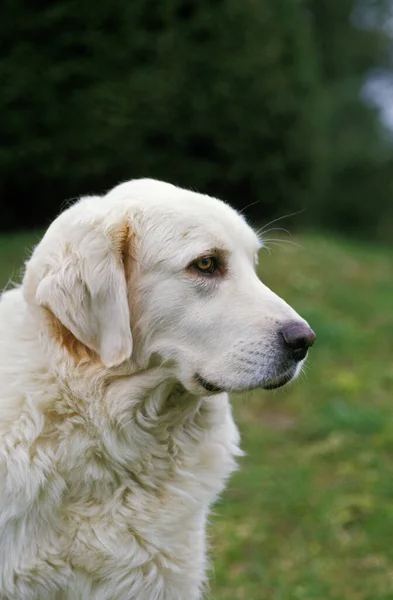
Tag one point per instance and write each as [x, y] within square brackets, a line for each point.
[153, 274]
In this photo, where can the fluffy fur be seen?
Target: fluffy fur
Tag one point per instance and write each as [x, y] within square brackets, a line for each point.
[111, 447]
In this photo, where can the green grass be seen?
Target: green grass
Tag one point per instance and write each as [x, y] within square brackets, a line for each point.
[309, 515]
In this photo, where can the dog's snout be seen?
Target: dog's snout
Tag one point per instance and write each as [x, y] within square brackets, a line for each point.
[298, 338]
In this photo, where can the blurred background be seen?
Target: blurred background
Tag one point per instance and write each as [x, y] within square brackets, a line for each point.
[276, 102]
[282, 107]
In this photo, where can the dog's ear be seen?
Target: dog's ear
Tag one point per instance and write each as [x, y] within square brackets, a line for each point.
[85, 287]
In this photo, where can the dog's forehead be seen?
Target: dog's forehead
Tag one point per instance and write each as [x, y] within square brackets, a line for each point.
[187, 219]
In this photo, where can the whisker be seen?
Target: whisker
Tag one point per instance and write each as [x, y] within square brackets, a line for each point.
[241, 211]
[266, 247]
[260, 231]
[279, 241]
[303, 375]
[298, 212]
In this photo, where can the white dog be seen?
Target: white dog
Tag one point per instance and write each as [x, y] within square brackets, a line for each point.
[138, 311]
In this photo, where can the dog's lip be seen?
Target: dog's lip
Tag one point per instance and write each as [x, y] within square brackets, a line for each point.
[278, 382]
[272, 384]
[207, 385]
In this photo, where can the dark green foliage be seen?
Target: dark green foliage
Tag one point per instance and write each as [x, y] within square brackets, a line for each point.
[357, 193]
[238, 99]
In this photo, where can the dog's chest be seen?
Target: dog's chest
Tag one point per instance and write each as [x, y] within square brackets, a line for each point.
[151, 517]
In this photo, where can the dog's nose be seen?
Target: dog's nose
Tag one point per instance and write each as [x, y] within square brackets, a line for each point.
[298, 338]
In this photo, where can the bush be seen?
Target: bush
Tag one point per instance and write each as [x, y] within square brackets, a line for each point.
[217, 95]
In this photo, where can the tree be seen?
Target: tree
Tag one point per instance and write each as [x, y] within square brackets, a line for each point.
[351, 43]
[213, 94]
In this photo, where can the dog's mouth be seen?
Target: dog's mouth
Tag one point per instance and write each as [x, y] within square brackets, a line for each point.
[209, 387]
[272, 384]
[280, 381]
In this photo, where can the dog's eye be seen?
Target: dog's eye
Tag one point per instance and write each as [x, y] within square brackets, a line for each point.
[206, 264]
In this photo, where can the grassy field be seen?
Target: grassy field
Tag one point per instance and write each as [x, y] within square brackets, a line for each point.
[309, 516]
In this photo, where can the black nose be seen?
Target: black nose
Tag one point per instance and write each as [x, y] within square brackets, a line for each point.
[298, 338]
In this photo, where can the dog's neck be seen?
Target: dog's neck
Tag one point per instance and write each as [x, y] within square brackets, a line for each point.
[145, 425]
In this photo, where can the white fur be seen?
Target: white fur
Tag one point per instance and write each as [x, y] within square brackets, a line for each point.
[110, 458]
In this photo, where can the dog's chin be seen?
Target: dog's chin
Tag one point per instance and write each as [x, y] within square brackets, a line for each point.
[278, 382]
[270, 384]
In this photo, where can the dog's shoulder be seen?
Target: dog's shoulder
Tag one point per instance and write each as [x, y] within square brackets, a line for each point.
[24, 376]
